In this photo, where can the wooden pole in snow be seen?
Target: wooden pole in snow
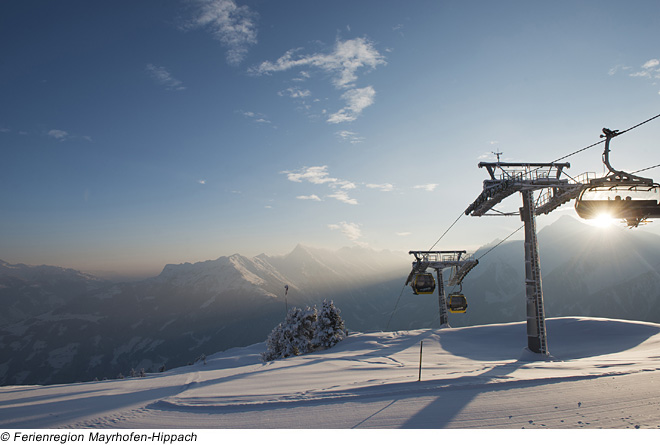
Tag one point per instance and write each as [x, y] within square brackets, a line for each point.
[421, 343]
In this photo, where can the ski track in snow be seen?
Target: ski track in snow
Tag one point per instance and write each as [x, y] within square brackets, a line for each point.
[603, 374]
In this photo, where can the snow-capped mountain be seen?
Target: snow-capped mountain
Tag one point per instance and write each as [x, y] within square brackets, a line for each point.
[189, 310]
[193, 309]
[27, 291]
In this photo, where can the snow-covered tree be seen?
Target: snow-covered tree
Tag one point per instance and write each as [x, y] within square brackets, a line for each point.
[305, 330]
[274, 344]
[293, 336]
[329, 329]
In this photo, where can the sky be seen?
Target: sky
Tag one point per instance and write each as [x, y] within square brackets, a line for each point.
[137, 134]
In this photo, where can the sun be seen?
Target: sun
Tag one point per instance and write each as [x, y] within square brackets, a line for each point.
[603, 221]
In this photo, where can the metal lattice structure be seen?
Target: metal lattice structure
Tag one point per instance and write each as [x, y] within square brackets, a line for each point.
[526, 178]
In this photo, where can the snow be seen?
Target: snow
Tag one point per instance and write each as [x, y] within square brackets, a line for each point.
[603, 373]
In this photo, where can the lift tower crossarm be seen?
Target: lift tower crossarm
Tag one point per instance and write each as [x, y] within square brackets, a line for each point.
[507, 178]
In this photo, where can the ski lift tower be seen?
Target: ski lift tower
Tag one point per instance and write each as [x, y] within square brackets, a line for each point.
[505, 180]
[439, 260]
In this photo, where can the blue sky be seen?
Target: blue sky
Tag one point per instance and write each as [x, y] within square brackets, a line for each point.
[136, 134]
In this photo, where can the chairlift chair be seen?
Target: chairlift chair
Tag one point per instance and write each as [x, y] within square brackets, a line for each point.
[619, 194]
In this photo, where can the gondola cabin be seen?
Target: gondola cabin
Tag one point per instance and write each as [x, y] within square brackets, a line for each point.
[633, 203]
[423, 283]
[457, 303]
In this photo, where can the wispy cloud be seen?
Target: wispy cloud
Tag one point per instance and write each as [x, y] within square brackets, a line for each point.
[342, 196]
[343, 63]
[60, 135]
[319, 175]
[427, 187]
[256, 117]
[295, 92]
[352, 231]
[403, 233]
[234, 26]
[381, 187]
[650, 70]
[356, 100]
[309, 197]
[163, 77]
[349, 136]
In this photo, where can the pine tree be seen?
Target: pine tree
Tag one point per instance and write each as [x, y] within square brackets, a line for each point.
[329, 329]
[274, 344]
[293, 336]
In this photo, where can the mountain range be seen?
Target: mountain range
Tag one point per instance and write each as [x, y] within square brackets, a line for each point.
[67, 326]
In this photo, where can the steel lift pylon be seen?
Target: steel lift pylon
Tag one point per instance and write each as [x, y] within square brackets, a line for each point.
[505, 180]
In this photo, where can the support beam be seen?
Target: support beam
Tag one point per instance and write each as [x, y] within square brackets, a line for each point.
[442, 300]
[536, 334]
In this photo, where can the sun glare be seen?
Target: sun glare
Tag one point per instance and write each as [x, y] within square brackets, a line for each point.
[603, 220]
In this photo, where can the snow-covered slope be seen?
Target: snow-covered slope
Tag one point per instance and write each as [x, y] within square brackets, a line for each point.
[190, 309]
[603, 374]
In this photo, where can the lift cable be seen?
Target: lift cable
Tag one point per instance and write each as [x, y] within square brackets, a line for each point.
[600, 142]
[647, 168]
[448, 229]
[640, 124]
[498, 244]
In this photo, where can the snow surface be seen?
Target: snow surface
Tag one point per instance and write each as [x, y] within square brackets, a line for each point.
[603, 374]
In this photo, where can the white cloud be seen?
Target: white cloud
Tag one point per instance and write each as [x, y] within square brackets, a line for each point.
[343, 63]
[427, 187]
[315, 175]
[319, 175]
[296, 93]
[381, 187]
[349, 136]
[60, 135]
[234, 26]
[341, 195]
[309, 197]
[202, 181]
[351, 230]
[403, 233]
[256, 117]
[164, 78]
[356, 100]
[651, 64]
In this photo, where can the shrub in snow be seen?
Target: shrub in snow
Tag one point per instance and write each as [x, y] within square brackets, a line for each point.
[329, 329]
[304, 331]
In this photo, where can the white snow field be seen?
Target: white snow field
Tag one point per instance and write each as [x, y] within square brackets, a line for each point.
[604, 374]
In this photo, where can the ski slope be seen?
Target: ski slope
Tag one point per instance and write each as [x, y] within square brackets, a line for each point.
[603, 374]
